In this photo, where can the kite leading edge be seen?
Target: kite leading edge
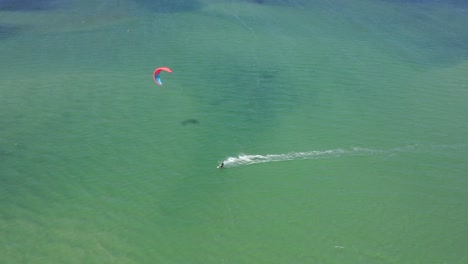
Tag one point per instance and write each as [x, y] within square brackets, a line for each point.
[156, 77]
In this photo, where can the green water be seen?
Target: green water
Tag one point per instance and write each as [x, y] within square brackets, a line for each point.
[342, 126]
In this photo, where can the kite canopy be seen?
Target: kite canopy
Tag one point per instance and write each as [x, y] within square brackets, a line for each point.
[156, 77]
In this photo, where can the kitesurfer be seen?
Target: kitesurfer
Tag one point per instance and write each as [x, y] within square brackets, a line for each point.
[220, 166]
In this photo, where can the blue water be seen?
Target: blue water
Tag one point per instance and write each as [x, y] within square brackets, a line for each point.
[342, 127]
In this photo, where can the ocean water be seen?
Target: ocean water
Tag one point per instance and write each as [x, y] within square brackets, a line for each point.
[342, 125]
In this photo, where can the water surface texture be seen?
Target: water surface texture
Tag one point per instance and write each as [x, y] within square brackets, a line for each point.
[342, 125]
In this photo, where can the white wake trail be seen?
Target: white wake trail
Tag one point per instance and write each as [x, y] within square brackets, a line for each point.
[245, 159]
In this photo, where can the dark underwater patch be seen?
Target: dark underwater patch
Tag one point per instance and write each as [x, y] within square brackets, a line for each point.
[170, 6]
[7, 31]
[439, 42]
[264, 92]
[28, 5]
[459, 3]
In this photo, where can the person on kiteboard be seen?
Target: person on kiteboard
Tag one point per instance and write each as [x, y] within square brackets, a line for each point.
[220, 166]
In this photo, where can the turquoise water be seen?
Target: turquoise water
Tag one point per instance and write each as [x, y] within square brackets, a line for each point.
[342, 127]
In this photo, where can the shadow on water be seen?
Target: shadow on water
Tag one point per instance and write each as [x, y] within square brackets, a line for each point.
[190, 122]
[29, 5]
[170, 6]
